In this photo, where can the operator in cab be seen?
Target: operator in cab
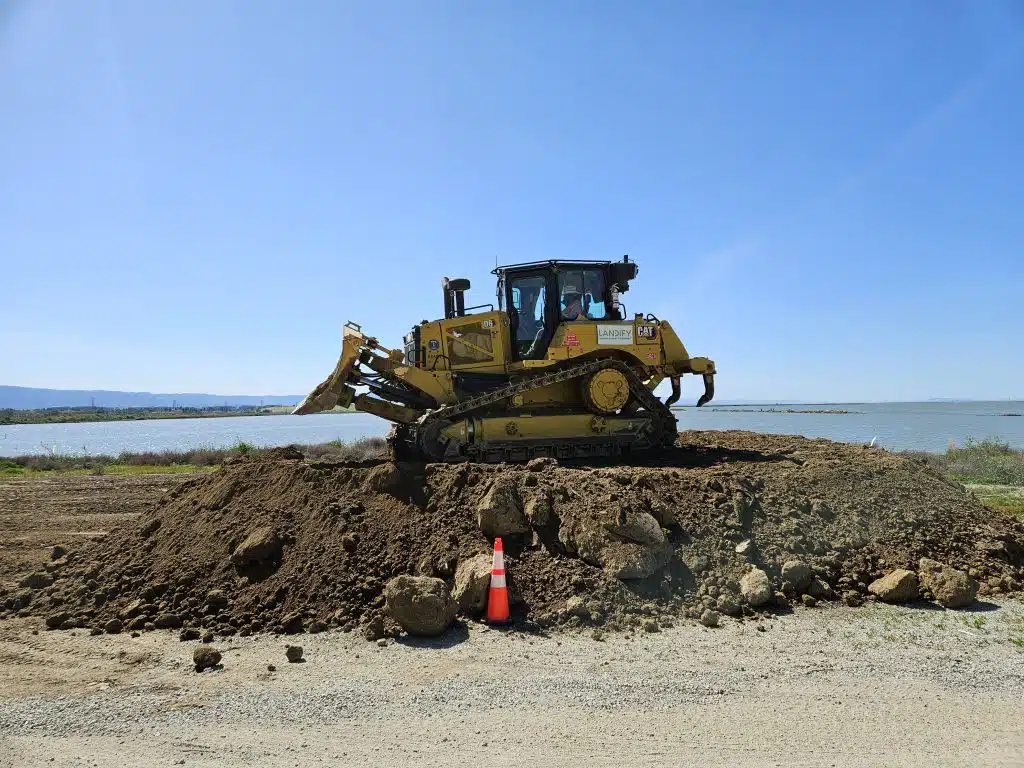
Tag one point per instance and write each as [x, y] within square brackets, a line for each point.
[572, 305]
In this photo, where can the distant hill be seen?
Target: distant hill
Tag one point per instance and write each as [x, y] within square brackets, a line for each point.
[30, 397]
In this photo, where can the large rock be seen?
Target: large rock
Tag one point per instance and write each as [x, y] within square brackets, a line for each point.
[797, 573]
[950, 588]
[260, 546]
[897, 586]
[756, 587]
[626, 543]
[421, 604]
[498, 513]
[472, 582]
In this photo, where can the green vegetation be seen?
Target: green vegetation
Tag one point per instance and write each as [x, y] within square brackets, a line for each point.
[89, 413]
[988, 462]
[195, 460]
[976, 621]
[991, 469]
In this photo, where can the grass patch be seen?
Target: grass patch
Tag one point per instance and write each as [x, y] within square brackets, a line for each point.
[1010, 503]
[989, 462]
[193, 460]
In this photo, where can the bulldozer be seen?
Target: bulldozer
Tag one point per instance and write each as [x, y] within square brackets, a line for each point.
[557, 369]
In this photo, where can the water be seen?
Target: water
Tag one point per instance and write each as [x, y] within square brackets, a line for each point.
[897, 426]
[112, 437]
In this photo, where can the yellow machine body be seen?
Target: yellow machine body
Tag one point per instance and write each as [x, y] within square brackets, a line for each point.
[472, 385]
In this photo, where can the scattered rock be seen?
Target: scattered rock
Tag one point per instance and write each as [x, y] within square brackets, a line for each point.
[899, 586]
[756, 588]
[710, 618]
[188, 634]
[57, 620]
[852, 599]
[498, 512]
[575, 606]
[540, 464]
[167, 621]
[207, 637]
[271, 668]
[205, 657]
[317, 627]
[261, 546]
[745, 548]
[374, 628]
[797, 573]
[292, 624]
[113, 627]
[293, 653]
[382, 643]
[820, 590]
[57, 552]
[422, 605]
[950, 587]
[597, 635]
[808, 601]
[216, 600]
[472, 582]
[37, 580]
[650, 625]
[729, 605]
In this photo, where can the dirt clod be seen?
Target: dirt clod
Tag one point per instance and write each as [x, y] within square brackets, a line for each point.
[205, 657]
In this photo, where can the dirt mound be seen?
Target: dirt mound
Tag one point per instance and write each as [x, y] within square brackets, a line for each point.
[286, 544]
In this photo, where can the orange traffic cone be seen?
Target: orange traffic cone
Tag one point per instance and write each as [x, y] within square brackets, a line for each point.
[497, 599]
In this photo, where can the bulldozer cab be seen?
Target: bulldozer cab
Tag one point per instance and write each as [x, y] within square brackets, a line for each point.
[538, 296]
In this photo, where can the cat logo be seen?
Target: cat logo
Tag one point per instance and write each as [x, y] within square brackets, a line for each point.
[647, 331]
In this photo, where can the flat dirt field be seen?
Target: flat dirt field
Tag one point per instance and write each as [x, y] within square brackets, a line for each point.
[878, 685]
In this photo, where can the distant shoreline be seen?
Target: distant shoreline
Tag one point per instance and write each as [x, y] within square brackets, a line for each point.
[13, 417]
[734, 409]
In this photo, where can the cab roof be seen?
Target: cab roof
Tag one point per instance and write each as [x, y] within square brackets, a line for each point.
[549, 263]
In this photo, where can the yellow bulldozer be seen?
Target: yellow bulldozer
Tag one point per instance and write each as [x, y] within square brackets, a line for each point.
[557, 369]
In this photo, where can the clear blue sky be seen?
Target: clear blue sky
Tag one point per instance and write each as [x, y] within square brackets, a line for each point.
[826, 198]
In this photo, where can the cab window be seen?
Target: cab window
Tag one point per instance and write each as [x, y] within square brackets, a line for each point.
[581, 294]
[528, 299]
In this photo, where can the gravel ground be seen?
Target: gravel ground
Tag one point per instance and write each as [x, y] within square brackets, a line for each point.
[879, 685]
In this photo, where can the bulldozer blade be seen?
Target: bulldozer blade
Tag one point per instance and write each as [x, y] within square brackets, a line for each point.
[334, 390]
